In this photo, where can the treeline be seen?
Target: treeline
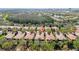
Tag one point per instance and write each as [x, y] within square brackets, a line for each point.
[33, 19]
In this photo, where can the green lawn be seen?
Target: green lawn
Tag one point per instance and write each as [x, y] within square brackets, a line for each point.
[1, 37]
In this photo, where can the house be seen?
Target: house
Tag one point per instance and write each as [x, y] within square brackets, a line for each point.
[47, 28]
[10, 35]
[49, 36]
[77, 31]
[60, 36]
[29, 35]
[71, 36]
[20, 35]
[41, 29]
[26, 28]
[39, 35]
[42, 36]
[55, 28]
[1, 32]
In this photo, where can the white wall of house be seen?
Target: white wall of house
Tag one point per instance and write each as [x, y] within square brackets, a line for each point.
[1, 32]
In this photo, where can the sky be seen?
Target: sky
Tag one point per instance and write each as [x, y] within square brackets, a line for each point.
[39, 3]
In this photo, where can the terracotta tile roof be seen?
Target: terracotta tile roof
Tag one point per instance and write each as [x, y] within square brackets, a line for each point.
[49, 37]
[60, 36]
[77, 33]
[71, 36]
[20, 35]
[39, 36]
[29, 35]
[9, 35]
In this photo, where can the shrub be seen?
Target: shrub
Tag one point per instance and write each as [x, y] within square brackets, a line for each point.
[76, 43]
[48, 30]
[48, 46]
[7, 45]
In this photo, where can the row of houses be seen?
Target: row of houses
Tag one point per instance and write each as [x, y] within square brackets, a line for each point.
[42, 36]
[26, 27]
